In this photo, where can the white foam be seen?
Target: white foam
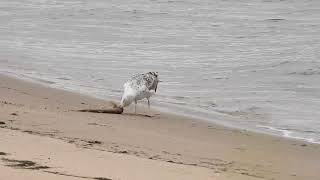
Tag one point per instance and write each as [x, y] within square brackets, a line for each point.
[288, 134]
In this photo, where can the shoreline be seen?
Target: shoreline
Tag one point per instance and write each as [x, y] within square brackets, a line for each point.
[282, 133]
[179, 147]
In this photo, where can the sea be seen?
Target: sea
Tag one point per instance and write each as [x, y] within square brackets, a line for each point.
[248, 64]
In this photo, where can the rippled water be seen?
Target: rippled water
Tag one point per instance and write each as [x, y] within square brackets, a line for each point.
[251, 64]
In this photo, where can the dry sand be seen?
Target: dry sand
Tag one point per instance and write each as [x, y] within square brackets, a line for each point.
[42, 137]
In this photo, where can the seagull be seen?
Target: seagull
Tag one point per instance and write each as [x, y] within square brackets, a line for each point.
[140, 86]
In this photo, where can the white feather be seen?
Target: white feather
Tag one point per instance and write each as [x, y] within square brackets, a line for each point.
[138, 88]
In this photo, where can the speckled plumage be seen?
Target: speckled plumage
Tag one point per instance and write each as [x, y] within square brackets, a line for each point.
[140, 86]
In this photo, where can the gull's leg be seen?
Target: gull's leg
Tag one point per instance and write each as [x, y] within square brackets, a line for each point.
[135, 106]
[149, 104]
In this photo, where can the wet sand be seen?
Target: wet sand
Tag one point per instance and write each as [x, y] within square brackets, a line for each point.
[43, 137]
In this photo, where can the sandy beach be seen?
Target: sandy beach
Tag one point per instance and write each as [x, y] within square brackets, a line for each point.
[42, 136]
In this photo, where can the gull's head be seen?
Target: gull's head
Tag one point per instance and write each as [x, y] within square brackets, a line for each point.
[155, 75]
[156, 80]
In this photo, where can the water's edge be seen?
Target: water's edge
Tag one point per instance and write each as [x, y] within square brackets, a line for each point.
[267, 130]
